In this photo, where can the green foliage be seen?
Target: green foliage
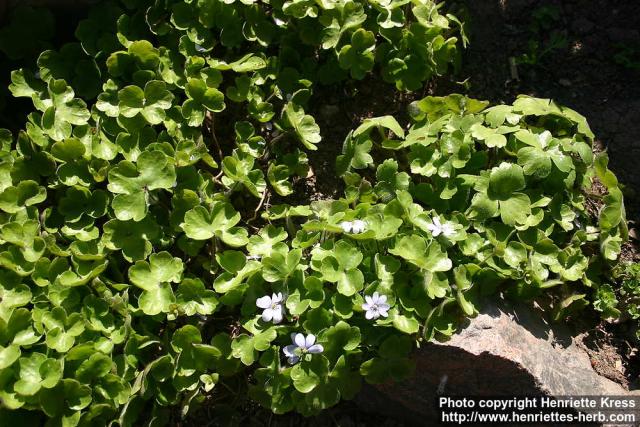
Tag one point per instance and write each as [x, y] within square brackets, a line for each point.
[623, 301]
[27, 32]
[138, 276]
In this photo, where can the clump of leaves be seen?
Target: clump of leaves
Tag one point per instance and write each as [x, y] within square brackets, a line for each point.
[28, 30]
[137, 278]
[621, 302]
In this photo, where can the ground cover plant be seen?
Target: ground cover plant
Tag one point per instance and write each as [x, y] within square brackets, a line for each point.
[142, 271]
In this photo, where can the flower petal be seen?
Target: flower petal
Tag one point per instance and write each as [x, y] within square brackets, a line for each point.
[299, 340]
[368, 299]
[277, 314]
[384, 306]
[359, 226]
[311, 339]
[369, 315]
[366, 306]
[267, 314]
[264, 302]
[293, 360]
[276, 298]
[382, 299]
[289, 350]
[383, 313]
[314, 349]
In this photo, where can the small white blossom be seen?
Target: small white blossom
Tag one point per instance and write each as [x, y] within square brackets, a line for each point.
[301, 346]
[272, 306]
[375, 306]
[199, 48]
[279, 22]
[437, 228]
[346, 226]
[544, 138]
[356, 227]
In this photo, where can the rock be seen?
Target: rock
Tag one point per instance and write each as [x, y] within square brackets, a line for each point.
[501, 352]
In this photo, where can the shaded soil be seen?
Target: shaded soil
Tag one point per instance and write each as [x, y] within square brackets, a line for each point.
[597, 72]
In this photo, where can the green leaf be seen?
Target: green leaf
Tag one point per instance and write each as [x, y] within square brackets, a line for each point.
[193, 298]
[278, 176]
[342, 268]
[358, 57]
[308, 374]
[151, 103]
[156, 300]
[386, 122]
[132, 183]
[305, 127]
[355, 154]
[414, 249]
[200, 224]
[279, 266]
[37, 372]
[408, 325]
[504, 180]
[162, 267]
[262, 244]
[515, 209]
[8, 355]
[534, 162]
[26, 193]
[201, 97]
[132, 238]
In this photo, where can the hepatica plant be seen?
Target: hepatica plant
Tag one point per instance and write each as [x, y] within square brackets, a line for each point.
[144, 275]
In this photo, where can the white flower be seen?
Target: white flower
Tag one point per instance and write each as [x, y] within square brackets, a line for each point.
[301, 346]
[199, 48]
[437, 228]
[544, 138]
[356, 226]
[346, 226]
[279, 22]
[272, 306]
[375, 306]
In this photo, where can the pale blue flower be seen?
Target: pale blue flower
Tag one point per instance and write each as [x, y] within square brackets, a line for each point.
[375, 306]
[301, 345]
